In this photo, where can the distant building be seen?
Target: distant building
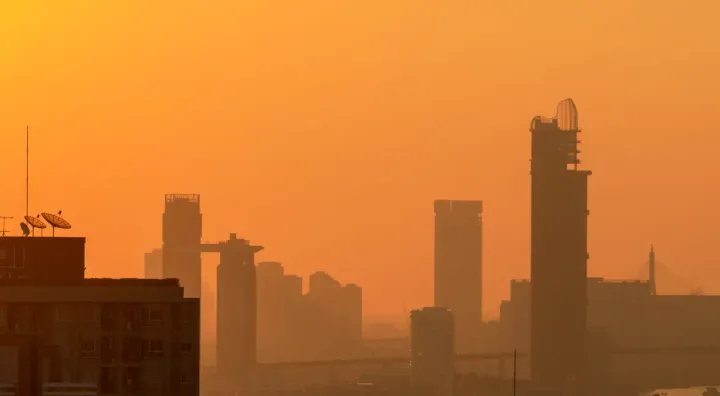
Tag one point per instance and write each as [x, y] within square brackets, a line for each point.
[432, 355]
[128, 335]
[621, 307]
[182, 234]
[458, 267]
[324, 323]
[558, 258]
[236, 313]
[280, 314]
[153, 264]
[333, 318]
[627, 315]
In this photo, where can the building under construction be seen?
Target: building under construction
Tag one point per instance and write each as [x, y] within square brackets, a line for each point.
[182, 233]
[558, 250]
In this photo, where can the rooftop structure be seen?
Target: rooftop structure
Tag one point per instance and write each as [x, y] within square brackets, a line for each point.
[49, 260]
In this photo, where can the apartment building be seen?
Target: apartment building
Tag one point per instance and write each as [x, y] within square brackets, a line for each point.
[127, 336]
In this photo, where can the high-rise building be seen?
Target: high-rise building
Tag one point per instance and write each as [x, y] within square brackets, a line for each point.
[236, 312]
[458, 267]
[558, 250]
[279, 313]
[334, 318]
[153, 264]
[432, 350]
[182, 233]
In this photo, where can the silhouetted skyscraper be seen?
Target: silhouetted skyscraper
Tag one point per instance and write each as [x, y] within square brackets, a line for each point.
[153, 264]
[558, 250]
[458, 267]
[182, 233]
[432, 334]
[236, 311]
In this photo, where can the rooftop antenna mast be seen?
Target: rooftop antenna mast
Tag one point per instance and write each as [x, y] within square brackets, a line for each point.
[27, 170]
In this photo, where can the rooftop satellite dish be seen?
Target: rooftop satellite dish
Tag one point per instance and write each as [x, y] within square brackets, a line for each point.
[56, 221]
[34, 222]
[25, 228]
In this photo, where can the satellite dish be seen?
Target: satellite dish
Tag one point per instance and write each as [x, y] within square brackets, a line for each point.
[25, 229]
[34, 222]
[56, 221]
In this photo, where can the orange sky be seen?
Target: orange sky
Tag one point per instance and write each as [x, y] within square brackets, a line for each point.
[325, 131]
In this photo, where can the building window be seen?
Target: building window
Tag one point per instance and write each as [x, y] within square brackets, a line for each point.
[153, 348]
[62, 314]
[88, 348]
[152, 316]
[186, 347]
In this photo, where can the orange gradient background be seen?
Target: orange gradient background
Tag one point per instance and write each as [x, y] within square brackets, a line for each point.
[324, 129]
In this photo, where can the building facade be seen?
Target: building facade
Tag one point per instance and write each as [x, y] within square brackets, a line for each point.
[458, 267]
[126, 336]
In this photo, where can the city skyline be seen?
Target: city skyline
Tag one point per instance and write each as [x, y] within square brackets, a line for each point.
[108, 120]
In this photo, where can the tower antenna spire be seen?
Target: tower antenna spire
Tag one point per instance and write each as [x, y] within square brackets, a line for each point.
[27, 170]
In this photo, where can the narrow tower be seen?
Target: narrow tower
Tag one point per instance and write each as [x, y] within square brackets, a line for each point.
[558, 251]
[182, 233]
[651, 277]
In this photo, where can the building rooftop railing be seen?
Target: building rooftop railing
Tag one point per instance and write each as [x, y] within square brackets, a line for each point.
[193, 198]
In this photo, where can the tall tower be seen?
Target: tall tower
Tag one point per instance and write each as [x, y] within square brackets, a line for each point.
[558, 250]
[236, 312]
[182, 233]
[458, 267]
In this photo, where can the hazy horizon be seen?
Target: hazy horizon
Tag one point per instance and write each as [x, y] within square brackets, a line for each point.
[324, 132]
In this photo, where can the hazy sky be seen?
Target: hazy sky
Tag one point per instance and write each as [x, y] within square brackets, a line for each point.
[325, 131]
